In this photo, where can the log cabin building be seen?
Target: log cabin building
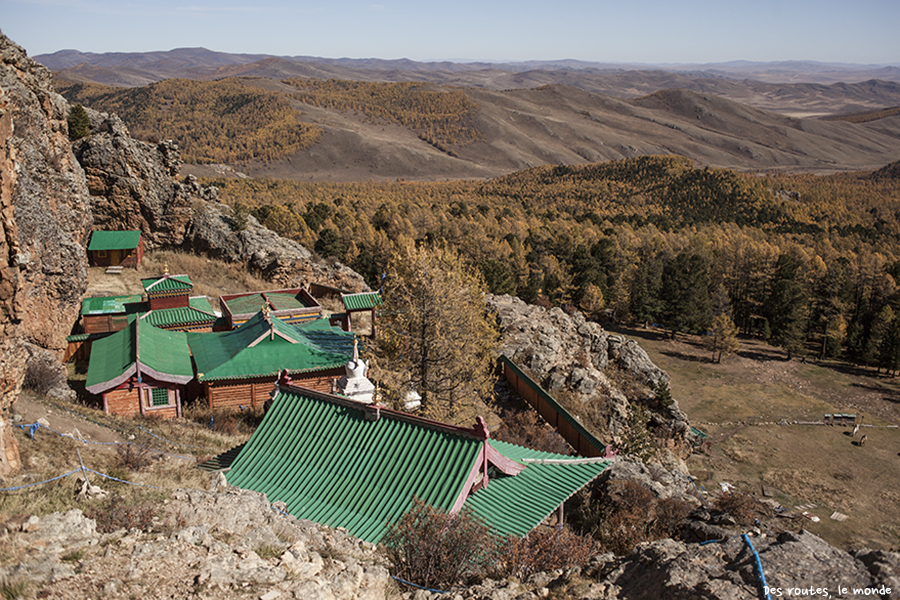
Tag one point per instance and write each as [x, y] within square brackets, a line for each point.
[239, 368]
[116, 248]
[140, 369]
[293, 306]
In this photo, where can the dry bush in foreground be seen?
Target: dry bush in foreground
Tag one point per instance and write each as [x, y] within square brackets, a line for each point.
[743, 507]
[432, 548]
[544, 550]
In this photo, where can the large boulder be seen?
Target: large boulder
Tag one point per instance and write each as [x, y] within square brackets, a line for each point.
[217, 232]
[133, 184]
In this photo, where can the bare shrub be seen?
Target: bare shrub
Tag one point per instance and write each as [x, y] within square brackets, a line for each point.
[527, 428]
[432, 548]
[118, 512]
[671, 514]
[743, 507]
[544, 550]
[134, 458]
[41, 376]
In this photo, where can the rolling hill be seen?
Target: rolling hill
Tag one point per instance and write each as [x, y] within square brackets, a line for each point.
[527, 114]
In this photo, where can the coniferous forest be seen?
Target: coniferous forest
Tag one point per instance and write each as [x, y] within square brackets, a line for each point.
[810, 263]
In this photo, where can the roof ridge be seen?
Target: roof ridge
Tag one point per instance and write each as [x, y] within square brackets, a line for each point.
[379, 410]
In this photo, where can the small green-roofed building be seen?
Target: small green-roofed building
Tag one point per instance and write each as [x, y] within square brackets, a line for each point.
[293, 306]
[140, 370]
[111, 248]
[239, 367]
[108, 305]
[346, 464]
[361, 302]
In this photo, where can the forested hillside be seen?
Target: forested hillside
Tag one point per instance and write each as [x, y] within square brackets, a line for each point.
[212, 121]
[808, 262]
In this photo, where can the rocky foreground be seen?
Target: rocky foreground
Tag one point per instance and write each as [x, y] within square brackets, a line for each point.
[230, 543]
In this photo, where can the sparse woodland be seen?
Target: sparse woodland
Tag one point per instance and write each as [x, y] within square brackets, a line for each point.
[809, 263]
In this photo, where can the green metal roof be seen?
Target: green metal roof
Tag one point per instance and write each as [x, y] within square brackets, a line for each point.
[332, 466]
[514, 505]
[104, 305]
[162, 354]
[174, 317]
[201, 303]
[363, 301]
[114, 240]
[167, 284]
[279, 345]
[343, 464]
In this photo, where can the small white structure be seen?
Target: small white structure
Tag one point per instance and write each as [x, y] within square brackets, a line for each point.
[354, 384]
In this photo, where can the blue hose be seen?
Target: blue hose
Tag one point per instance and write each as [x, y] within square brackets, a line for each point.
[762, 576]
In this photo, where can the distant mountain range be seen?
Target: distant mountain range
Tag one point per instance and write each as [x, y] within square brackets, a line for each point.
[739, 114]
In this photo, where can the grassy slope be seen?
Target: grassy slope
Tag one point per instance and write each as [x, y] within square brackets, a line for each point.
[739, 403]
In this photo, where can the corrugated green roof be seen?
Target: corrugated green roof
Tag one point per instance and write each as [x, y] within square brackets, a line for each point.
[250, 303]
[514, 505]
[102, 305]
[363, 301]
[229, 355]
[331, 464]
[114, 240]
[174, 317]
[167, 283]
[162, 354]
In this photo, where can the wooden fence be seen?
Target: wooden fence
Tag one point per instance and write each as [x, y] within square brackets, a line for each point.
[584, 443]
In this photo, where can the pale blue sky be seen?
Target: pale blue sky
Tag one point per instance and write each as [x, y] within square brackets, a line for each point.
[642, 31]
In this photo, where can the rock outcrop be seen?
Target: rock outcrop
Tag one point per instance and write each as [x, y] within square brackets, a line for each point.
[44, 221]
[215, 232]
[606, 374]
[133, 184]
[230, 543]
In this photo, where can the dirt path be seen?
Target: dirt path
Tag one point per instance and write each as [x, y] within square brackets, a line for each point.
[63, 421]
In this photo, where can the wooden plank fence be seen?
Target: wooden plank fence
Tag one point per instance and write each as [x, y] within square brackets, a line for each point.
[584, 443]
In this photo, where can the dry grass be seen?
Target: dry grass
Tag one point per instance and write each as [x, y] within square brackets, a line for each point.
[740, 402]
[49, 455]
[211, 278]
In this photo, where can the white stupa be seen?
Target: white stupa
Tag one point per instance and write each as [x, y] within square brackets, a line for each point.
[354, 384]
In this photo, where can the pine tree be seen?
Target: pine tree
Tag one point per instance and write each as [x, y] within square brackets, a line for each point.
[723, 339]
[436, 337]
[79, 123]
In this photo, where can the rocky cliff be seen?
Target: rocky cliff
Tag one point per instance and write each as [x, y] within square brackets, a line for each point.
[135, 185]
[54, 192]
[608, 382]
[44, 221]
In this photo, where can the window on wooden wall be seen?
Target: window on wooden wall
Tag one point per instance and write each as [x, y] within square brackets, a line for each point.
[157, 397]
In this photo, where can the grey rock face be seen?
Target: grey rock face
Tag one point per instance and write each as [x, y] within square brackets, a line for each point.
[132, 183]
[234, 545]
[214, 232]
[606, 373]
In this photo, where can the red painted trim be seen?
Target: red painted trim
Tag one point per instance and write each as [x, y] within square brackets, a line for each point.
[506, 465]
[477, 466]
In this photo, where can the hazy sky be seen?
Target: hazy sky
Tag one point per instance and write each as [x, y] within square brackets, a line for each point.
[647, 31]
